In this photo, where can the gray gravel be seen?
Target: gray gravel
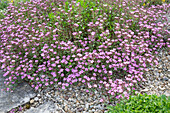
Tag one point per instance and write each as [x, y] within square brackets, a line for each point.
[158, 77]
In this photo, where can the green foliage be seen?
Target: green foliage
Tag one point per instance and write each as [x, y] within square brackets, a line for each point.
[3, 4]
[3, 7]
[142, 104]
[15, 2]
[149, 3]
[2, 13]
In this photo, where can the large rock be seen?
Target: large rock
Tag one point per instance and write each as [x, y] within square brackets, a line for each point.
[21, 95]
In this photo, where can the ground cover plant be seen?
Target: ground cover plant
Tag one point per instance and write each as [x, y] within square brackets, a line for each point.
[148, 3]
[101, 44]
[142, 104]
[3, 6]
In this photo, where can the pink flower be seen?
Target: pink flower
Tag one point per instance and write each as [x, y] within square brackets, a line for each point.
[50, 68]
[36, 60]
[7, 89]
[59, 83]
[37, 79]
[36, 88]
[40, 85]
[91, 68]
[101, 100]
[88, 79]
[99, 71]
[83, 80]
[93, 33]
[138, 79]
[80, 79]
[6, 74]
[66, 84]
[54, 74]
[53, 65]
[61, 70]
[107, 85]
[104, 78]
[112, 93]
[57, 62]
[95, 70]
[62, 75]
[76, 25]
[51, 82]
[86, 69]
[32, 85]
[110, 72]
[67, 69]
[42, 54]
[89, 86]
[42, 76]
[63, 87]
[81, 72]
[144, 65]
[74, 33]
[130, 84]
[94, 85]
[134, 81]
[118, 97]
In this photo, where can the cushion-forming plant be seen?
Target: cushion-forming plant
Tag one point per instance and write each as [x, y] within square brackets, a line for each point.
[102, 44]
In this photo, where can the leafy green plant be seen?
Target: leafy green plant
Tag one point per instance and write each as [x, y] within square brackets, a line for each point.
[2, 13]
[3, 4]
[149, 3]
[142, 104]
[15, 2]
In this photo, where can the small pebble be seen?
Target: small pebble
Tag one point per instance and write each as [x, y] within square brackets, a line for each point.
[66, 108]
[31, 101]
[38, 95]
[165, 79]
[145, 90]
[36, 99]
[159, 71]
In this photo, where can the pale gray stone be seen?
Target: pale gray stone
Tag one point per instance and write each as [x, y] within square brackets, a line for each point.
[21, 95]
[36, 99]
[47, 107]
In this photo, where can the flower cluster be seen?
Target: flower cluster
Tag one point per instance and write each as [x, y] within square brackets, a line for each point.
[102, 45]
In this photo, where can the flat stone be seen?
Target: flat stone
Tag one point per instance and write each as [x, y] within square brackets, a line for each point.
[21, 95]
[47, 107]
